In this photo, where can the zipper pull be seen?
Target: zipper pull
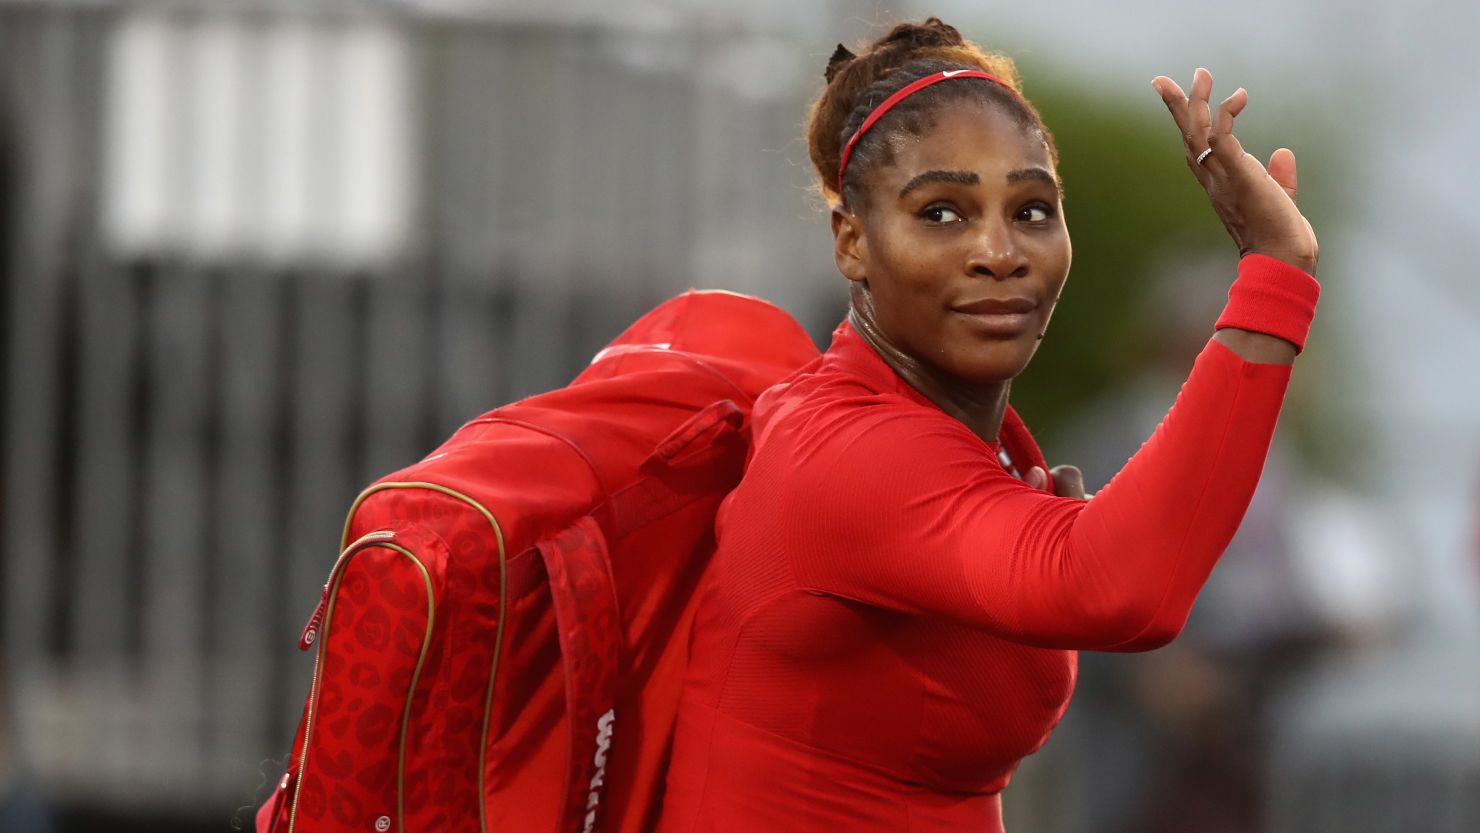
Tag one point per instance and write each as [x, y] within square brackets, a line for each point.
[310, 633]
[311, 630]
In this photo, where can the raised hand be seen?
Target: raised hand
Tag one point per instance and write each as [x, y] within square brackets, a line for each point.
[1256, 205]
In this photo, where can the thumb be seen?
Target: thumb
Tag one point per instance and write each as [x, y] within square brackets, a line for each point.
[1068, 481]
[1037, 477]
[1282, 169]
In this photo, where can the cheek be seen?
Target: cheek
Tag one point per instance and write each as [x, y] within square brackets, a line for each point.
[902, 310]
[1053, 246]
[1056, 287]
[905, 276]
[916, 302]
[1053, 258]
[909, 313]
[1064, 250]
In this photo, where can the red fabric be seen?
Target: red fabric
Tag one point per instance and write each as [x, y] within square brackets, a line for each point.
[1272, 297]
[549, 643]
[891, 619]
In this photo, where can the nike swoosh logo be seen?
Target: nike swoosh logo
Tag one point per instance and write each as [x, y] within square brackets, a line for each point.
[952, 73]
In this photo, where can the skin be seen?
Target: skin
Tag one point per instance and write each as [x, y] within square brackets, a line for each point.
[973, 211]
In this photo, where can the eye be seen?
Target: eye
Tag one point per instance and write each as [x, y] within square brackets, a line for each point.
[1036, 213]
[940, 215]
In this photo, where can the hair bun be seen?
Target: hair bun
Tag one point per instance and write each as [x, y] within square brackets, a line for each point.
[840, 58]
[933, 32]
[858, 83]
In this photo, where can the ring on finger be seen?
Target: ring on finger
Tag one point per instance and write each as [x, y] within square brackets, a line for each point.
[1203, 155]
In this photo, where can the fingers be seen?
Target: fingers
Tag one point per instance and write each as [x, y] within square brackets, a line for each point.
[1175, 100]
[1191, 114]
[1226, 147]
[1255, 203]
[1199, 119]
[1282, 169]
[1068, 481]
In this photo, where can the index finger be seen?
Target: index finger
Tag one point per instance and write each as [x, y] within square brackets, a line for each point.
[1174, 98]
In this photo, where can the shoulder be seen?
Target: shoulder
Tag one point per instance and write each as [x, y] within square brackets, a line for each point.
[827, 442]
[815, 408]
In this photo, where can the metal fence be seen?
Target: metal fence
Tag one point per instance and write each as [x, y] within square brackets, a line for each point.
[187, 419]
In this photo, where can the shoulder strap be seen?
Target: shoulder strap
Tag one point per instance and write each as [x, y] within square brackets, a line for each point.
[590, 631]
[584, 596]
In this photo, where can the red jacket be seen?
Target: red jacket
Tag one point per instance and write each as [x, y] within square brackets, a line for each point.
[891, 620]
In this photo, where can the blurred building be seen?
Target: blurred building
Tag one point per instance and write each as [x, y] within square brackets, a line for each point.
[259, 253]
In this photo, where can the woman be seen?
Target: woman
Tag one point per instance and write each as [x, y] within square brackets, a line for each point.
[890, 621]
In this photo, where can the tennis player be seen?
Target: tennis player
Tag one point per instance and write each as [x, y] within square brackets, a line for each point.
[891, 620]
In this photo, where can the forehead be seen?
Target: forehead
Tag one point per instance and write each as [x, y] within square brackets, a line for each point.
[968, 136]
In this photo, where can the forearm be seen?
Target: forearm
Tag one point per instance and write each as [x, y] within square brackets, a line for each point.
[1133, 561]
[1156, 531]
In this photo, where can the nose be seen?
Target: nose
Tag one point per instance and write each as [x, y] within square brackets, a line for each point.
[995, 252]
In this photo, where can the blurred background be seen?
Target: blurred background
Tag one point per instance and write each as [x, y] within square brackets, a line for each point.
[256, 253]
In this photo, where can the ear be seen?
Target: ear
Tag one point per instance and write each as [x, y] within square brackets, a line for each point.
[850, 246]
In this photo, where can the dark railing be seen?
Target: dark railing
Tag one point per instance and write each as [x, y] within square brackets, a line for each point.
[185, 428]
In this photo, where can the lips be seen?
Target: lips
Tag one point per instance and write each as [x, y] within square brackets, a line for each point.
[997, 306]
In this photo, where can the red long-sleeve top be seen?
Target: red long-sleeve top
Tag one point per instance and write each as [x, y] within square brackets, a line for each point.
[890, 623]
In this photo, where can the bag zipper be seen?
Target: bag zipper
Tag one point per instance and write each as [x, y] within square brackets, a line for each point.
[311, 630]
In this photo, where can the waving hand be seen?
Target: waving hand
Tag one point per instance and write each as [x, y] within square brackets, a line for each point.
[1256, 205]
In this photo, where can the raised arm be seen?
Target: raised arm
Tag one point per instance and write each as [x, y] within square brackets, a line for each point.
[911, 511]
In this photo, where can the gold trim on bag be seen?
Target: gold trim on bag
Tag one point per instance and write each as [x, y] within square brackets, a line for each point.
[426, 642]
[377, 538]
[498, 641]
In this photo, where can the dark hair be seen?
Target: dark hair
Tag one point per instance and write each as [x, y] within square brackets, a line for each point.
[856, 84]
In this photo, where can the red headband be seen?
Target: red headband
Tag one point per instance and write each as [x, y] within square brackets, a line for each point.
[909, 90]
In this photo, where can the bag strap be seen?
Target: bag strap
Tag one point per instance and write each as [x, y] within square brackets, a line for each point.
[655, 494]
[585, 600]
[590, 632]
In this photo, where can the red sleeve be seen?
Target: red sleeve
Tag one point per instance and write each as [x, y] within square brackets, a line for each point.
[903, 508]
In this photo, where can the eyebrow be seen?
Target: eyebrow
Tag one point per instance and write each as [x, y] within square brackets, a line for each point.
[957, 177]
[972, 178]
[1031, 174]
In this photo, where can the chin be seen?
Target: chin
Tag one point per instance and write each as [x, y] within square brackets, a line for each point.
[979, 371]
[996, 362]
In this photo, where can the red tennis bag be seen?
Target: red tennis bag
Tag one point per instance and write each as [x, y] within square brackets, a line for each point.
[501, 641]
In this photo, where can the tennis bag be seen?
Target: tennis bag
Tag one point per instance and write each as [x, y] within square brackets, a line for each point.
[500, 644]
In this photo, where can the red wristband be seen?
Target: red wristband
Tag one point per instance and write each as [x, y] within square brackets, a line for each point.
[1272, 297]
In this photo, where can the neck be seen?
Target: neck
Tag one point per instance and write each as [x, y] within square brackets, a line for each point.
[979, 406]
